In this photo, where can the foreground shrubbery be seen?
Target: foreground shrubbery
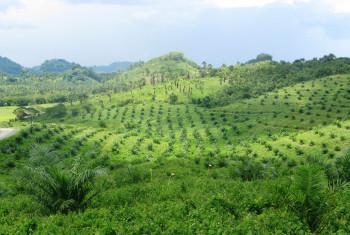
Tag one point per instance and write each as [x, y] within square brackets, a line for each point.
[183, 197]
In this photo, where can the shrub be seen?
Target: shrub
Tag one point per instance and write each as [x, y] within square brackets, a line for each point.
[299, 151]
[291, 163]
[57, 111]
[60, 190]
[247, 169]
[173, 98]
[343, 165]
[18, 139]
[102, 124]
[309, 199]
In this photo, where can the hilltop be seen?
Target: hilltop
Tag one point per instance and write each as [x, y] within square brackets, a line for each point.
[169, 66]
[53, 66]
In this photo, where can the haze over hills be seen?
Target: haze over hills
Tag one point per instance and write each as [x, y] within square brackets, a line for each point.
[61, 65]
[113, 67]
[10, 67]
[57, 66]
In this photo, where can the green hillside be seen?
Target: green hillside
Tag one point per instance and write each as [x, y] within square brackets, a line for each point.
[171, 147]
[10, 67]
[169, 66]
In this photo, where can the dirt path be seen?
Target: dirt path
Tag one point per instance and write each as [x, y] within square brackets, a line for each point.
[7, 132]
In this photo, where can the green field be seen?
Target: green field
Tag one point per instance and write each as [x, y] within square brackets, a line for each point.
[6, 113]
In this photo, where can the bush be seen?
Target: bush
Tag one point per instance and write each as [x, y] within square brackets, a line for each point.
[102, 124]
[60, 190]
[247, 169]
[57, 111]
[343, 165]
[309, 198]
[173, 98]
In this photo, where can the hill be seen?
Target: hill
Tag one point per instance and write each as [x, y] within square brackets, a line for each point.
[113, 67]
[10, 67]
[79, 75]
[54, 66]
[166, 67]
[259, 58]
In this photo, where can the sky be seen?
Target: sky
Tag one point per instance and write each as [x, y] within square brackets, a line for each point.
[99, 32]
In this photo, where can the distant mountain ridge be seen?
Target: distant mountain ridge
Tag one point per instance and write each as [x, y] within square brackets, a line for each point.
[113, 67]
[61, 65]
[10, 67]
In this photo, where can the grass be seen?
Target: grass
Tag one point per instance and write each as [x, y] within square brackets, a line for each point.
[6, 113]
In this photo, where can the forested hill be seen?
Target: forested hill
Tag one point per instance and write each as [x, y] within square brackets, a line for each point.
[159, 69]
[10, 67]
[259, 76]
[54, 66]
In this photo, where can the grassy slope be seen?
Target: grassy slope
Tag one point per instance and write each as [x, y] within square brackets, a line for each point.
[6, 113]
[287, 111]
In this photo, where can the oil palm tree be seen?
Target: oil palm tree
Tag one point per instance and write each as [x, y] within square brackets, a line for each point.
[60, 190]
[311, 198]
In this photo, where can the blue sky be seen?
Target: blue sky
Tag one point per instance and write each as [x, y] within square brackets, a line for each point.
[98, 32]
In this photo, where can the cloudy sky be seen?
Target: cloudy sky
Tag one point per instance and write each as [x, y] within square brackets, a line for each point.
[98, 32]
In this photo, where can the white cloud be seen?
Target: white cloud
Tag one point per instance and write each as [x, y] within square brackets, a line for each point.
[31, 12]
[239, 3]
[336, 6]
[248, 3]
[339, 6]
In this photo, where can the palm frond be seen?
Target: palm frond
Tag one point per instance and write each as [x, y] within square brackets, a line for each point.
[309, 198]
[310, 181]
[56, 188]
[42, 155]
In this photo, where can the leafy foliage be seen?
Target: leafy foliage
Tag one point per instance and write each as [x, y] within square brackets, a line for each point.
[59, 190]
[261, 57]
[248, 80]
[343, 165]
[55, 66]
[310, 200]
[57, 111]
